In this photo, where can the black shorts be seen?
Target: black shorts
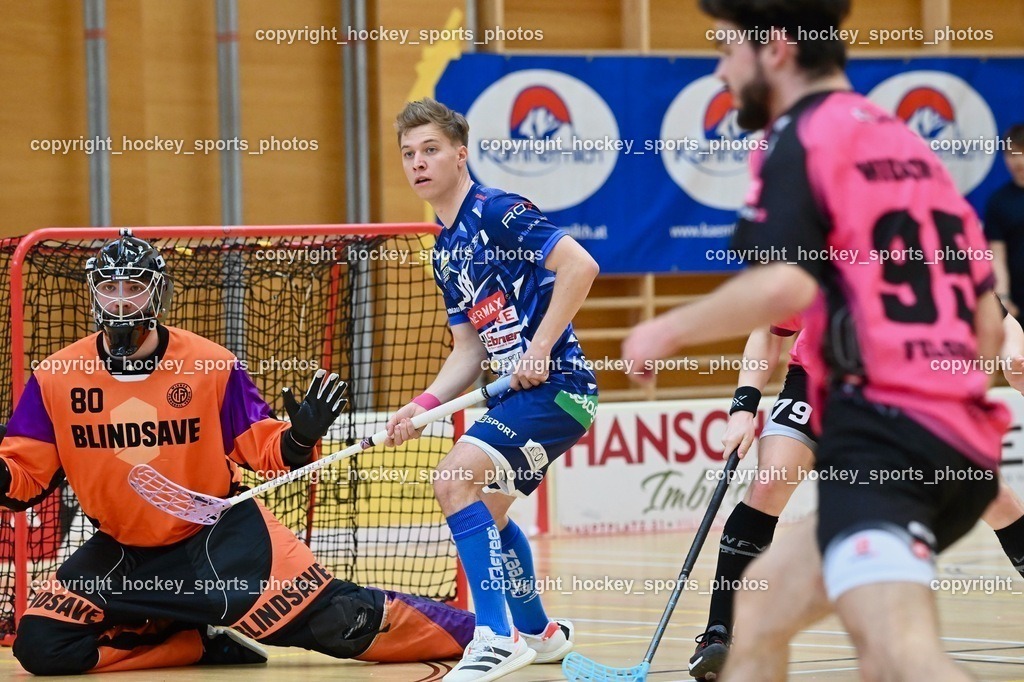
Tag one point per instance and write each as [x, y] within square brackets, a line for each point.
[791, 413]
[878, 468]
[222, 575]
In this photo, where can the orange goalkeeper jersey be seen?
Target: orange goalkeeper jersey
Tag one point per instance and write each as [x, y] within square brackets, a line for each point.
[191, 411]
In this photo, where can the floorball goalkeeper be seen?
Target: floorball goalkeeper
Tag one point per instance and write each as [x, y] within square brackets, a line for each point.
[149, 590]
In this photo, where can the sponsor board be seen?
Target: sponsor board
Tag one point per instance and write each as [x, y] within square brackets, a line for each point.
[658, 463]
[712, 166]
[949, 115]
[561, 113]
[642, 161]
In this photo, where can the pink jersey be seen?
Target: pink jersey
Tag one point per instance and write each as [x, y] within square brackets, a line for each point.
[847, 192]
[789, 327]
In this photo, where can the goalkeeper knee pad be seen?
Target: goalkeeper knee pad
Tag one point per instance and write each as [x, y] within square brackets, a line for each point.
[346, 625]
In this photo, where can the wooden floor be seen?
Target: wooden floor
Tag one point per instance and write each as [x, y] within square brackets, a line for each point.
[614, 624]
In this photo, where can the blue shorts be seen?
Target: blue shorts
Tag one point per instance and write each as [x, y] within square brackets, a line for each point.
[525, 431]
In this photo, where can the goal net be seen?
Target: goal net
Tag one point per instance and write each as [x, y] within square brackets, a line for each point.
[359, 300]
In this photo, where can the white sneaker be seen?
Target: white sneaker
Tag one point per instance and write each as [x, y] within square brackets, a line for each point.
[554, 643]
[490, 657]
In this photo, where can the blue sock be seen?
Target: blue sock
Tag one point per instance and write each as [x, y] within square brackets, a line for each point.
[479, 545]
[522, 595]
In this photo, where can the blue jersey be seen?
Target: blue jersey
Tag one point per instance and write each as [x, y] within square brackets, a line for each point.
[490, 268]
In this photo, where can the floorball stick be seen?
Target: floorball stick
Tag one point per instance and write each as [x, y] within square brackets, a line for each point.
[579, 668]
[189, 505]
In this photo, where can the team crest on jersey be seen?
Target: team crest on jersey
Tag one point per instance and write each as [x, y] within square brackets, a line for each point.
[947, 113]
[534, 132]
[704, 149]
[179, 395]
[753, 197]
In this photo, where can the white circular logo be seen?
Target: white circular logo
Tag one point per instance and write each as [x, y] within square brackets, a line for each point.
[545, 135]
[949, 114]
[703, 148]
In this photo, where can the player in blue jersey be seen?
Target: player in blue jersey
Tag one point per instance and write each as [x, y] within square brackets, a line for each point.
[511, 282]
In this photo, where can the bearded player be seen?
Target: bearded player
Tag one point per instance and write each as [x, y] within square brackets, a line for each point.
[785, 454]
[839, 175]
[149, 590]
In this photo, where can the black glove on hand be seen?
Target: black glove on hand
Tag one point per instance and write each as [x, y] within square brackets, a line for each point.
[324, 401]
[291, 405]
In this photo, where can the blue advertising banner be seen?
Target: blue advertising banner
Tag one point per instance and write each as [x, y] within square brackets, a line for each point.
[641, 160]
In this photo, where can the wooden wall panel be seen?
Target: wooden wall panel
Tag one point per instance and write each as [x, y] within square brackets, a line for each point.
[567, 25]
[679, 26]
[894, 14]
[1005, 19]
[682, 26]
[292, 91]
[394, 75]
[42, 63]
[162, 71]
[162, 86]
[128, 93]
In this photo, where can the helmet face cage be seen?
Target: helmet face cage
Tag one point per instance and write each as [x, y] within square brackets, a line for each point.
[129, 292]
[126, 294]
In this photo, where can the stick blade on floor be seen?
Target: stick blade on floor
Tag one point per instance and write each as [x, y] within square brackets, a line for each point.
[578, 668]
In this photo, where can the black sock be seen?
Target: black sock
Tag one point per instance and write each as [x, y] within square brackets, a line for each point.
[1012, 540]
[747, 533]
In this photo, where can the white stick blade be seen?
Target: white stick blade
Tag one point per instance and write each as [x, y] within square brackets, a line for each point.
[176, 500]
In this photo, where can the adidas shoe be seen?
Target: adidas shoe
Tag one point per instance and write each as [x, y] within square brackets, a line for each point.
[554, 643]
[709, 658]
[224, 646]
[490, 657]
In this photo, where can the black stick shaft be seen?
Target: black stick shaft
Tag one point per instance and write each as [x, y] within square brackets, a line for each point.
[691, 557]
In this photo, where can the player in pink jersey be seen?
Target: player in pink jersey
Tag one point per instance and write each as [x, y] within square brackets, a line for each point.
[785, 454]
[886, 257]
[798, 597]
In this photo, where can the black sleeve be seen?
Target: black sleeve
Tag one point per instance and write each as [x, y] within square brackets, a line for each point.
[785, 223]
[19, 505]
[293, 453]
[994, 228]
[5, 484]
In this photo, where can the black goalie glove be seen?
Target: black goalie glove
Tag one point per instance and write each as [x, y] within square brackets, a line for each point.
[312, 418]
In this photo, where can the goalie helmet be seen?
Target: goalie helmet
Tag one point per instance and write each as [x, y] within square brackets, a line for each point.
[130, 290]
